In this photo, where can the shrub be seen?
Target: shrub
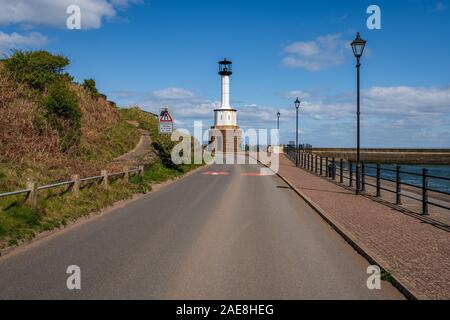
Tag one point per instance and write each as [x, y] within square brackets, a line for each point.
[38, 69]
[163, 145]
[64, 114]
[90, 86]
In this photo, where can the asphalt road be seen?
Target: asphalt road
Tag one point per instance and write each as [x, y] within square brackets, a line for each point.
[234, 236]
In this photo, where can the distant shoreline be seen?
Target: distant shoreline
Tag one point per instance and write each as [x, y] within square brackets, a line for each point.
[390, 155]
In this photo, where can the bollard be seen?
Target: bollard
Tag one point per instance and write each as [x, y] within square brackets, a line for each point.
[104, 175]
[32, 195]
[76, 185]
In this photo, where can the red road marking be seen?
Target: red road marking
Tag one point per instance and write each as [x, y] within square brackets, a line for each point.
[216, 173]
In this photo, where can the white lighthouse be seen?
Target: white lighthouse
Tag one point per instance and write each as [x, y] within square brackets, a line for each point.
[225, 115]
[225, 120]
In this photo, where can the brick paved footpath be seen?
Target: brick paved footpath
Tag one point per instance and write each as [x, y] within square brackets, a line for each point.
[416, 253]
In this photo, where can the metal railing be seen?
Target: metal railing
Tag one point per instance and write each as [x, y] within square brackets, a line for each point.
[75, 183]
[356, 176]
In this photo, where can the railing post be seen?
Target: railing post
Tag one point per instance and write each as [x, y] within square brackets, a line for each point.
[363, 176]
[321, 165]
[315, 169]
[424, 191]
[398, 186]
[32, 195]
[76, 185]
[358, 177]
[326, 167]
[378, 180]
[334, 168]
[126, 174]
[350, 173]
[104, 175]
[141, 170]
[309, 161]
[341, 169]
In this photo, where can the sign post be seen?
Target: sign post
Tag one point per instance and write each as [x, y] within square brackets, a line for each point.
[165, 121]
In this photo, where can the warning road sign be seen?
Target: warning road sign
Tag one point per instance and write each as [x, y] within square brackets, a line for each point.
[165, 121]
[165, 116]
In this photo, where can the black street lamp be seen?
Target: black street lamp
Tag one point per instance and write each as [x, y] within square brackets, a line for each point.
[297, 105]
[278, 120]
[358, 49]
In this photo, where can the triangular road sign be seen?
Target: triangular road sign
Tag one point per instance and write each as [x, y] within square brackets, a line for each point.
[165, 117]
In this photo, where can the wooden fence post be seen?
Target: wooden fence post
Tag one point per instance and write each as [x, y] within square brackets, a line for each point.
[76, 185]
[32, 195]
[141, 170]
[126, 174]
[104, 174]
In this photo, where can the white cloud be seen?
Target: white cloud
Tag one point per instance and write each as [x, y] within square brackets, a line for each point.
[409, 101]
[53, 12]
[173, 93]
[319, 54]
[18, 41]
[296, 94]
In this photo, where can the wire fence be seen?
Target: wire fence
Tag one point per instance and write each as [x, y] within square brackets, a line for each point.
[389, 179]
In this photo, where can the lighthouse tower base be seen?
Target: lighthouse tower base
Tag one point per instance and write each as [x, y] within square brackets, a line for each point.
[225, 138]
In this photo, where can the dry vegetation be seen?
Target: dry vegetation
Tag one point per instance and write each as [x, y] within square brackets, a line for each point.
[30, 147]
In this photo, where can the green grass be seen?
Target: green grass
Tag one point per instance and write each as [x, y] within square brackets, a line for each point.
[386, 276]
[145, 121]
[55, 208]
[116, 140]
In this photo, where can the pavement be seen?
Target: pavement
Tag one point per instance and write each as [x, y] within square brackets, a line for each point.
[415, 252]
[223, 232]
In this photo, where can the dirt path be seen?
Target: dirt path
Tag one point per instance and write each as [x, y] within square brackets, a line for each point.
[142, 153]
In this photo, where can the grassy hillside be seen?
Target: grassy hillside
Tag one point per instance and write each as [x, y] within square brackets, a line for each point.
[51, 128]
[31, 146]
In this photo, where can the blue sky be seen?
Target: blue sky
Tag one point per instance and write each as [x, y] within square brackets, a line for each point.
[165, 52]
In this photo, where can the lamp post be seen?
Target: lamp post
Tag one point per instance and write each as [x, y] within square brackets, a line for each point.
[278, 120]
[358, 48]
[278, 130]
[297, 105]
